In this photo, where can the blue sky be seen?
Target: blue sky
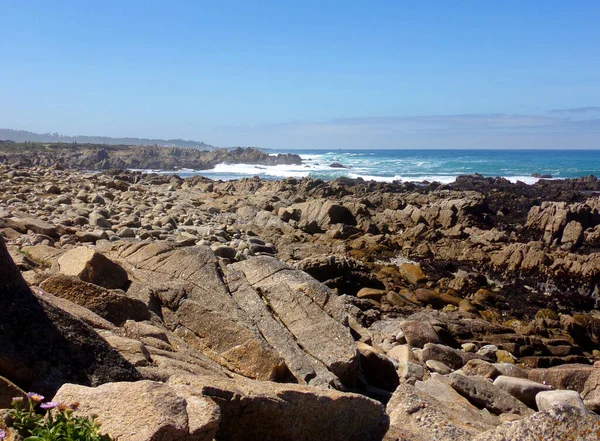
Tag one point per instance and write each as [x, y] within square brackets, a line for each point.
[327, 74]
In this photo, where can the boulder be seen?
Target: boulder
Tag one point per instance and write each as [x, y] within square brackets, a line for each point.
[557, 423]
[92, 267]
[524, 390]
[317, 215]
[85, 315]
[43, 254]
[418, 415]
[43, 347]
[481, 368]
[371, 293]
[419, 333]
[114, 307]
[132, 350]
[402, 353]
[412, 273]
[484, 394]
[260, 410]
[435, 299]
[591, 391]
[566, 376]
[438, 367]
[145, 411]
[559, 398]
[453, 358]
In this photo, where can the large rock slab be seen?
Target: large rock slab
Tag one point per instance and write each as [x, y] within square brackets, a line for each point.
[27, 223]
[114, 307]
[260, 317]
[266, 411]
[560, 423]
[305, 367]
[145, 411]
[43, 347]
[93, 267]
[309, 310]
[199, 308]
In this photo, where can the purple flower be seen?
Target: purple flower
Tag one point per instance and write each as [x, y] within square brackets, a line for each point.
[17, 399]
[49, 405]
[2, 434]
[35, 397]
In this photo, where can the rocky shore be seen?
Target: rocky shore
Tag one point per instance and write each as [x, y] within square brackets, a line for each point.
[191, 309]
[102, 157]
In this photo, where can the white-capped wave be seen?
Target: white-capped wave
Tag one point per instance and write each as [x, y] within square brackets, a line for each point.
[317, 170]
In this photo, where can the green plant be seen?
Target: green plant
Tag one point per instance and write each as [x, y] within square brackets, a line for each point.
[57, 424]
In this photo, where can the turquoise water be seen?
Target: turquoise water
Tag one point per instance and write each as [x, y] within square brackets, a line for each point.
[420, 165]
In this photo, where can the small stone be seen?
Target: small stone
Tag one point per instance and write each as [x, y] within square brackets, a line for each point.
[438, 367]
[469, 347]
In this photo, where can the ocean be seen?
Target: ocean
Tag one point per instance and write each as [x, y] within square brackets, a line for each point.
[419, 165]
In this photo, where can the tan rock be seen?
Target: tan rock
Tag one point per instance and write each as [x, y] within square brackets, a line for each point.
[483, 394]
[412, 273]
[559, 398]
[92, 267]
[567, 376]
[419, 333]
[371, 293]
[260, 410]
[145, 411]
[591, 390]
[43, 254]
[115, 307]
[416, 414]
